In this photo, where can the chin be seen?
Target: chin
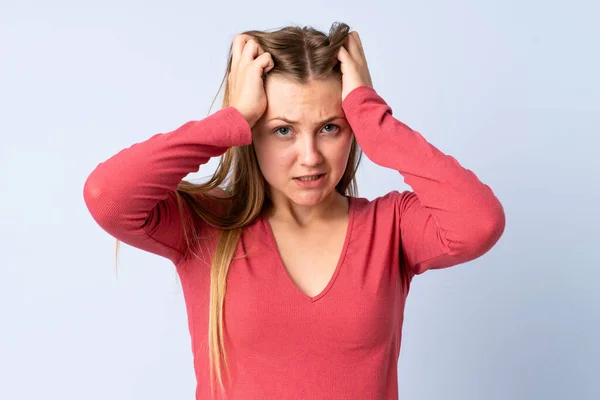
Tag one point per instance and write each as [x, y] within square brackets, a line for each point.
[304, 196]
[311, 197]
[308, 199]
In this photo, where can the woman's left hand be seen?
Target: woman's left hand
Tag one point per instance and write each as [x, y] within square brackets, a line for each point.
[355, 71]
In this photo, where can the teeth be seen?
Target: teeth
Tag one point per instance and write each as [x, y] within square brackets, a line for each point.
[309, 178]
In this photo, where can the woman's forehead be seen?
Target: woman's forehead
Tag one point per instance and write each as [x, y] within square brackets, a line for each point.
[295, 102]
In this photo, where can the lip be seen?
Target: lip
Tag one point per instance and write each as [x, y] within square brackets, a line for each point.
[310, 184]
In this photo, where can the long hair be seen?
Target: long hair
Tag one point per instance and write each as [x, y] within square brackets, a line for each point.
[299, 54]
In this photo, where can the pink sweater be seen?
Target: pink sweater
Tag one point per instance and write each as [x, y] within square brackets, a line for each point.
[343, 343]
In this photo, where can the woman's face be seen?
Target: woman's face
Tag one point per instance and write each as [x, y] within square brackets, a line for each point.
[303, 158]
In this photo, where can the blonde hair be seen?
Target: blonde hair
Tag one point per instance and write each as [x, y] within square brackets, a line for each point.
[299, 54]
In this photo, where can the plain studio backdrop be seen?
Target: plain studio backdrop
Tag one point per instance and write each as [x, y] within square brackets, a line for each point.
[509, 88]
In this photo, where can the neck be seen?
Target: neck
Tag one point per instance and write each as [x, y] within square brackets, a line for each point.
[286, 211]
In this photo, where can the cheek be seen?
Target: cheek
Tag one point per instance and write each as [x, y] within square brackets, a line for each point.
[339, 152]
[274, 161]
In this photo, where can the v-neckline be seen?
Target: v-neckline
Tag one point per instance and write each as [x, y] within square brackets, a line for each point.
[340, 262]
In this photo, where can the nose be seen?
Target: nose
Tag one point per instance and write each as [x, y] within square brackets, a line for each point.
[309, 153]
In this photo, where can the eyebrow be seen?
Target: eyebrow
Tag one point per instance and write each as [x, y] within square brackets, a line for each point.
[289, 121]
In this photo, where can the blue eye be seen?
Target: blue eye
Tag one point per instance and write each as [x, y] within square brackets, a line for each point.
[333, 125]
[285, 130]
[278, 131]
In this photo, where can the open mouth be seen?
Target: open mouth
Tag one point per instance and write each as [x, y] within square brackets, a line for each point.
[310, 181]
[309, 178]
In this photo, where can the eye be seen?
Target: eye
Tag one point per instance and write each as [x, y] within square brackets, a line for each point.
[282, 131]
[334, 127]
[285, 131]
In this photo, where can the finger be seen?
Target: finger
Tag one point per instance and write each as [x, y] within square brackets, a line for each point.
[344, 57]
[359, 43]
[264, 62]
[352, 47]
[250, 52]
[236, 53]
[239, 42]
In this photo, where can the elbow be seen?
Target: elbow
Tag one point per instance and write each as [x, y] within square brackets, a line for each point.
[489, 232]
[93, 195]
[495, 224]
[479, 236]
[469, 244]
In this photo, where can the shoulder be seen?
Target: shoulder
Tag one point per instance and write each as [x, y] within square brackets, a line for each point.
[388, 202]
[387, 209]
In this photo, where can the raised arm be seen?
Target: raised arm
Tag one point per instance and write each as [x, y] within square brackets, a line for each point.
[132, 194]
[451, 217]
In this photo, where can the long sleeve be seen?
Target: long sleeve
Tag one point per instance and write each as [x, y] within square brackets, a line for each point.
[132, 194]
[451, 217]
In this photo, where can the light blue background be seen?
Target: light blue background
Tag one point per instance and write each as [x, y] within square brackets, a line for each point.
[509, 88]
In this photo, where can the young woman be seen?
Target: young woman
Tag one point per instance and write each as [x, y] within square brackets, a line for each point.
[295, 287]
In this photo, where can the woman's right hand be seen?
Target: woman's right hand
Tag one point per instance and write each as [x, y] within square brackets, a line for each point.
[246, 90]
